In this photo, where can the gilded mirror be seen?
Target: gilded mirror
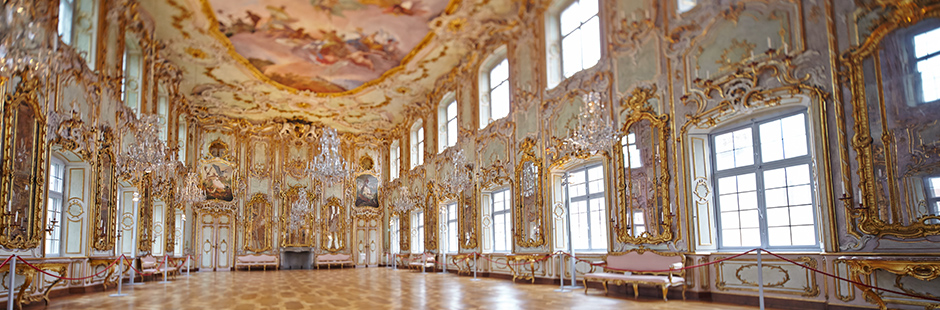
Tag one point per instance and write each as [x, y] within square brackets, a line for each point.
[333, 226]
[895, 104]
[404, 232]
[467, 228]
[528, 211]
[430, 219]
[24, 131]
[644, 215]
[105, 206]
[297, 207]
[258, 232]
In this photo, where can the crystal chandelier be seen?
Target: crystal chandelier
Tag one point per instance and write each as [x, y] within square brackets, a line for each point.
[459, 177]
[299, 210]
[328, 166]
[148, 153]
[24, 40]
[595, 132]
[190, 191]
[404, 202]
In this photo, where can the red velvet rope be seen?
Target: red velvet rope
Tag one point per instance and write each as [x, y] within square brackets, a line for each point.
[64, 278]
[6, 261]
[851, 281]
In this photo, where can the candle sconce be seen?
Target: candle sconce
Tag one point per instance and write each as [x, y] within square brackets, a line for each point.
[52, 224]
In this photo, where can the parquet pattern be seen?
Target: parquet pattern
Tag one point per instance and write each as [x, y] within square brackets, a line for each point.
[356, 288]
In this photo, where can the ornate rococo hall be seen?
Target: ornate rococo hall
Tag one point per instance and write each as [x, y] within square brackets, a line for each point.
[479, 138]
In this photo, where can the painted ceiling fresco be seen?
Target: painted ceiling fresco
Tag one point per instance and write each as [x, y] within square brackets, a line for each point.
[352, 80]
[325, 46]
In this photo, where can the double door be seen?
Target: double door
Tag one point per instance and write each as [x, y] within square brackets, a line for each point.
[216, 246]
[368, 242]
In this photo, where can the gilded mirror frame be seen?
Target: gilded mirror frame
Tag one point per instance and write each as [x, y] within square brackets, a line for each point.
[404, 232]
[641, 110]
[333, 215]
[26, 96]
[430, 219]
[252, 225]
[104, 230]
[287, 199]
[897, 16]
[468, 220]
[527, 148]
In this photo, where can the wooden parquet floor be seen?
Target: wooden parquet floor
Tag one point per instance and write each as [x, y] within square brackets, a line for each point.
[356, 288]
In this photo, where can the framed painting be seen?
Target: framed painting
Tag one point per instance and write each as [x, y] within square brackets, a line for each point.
[367, 188]
[216, 177]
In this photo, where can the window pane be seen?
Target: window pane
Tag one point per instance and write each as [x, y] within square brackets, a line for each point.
[933, 187]
[930, 78]
[452, 110]
[728, 185]
[731, 237]
[804, 235]
[452, 133]
[500, 101]
[588, 9]
[571, 53]
[927, 43]
[778, 236]
[590, 43]
[750, 237]
[570, 18]
[685, 5]
[499, 73]
[771, 141]
[794, 137]
[65, 21]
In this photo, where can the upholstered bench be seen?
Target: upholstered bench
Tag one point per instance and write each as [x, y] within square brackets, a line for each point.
[649, 267]
[425, 261]
[256, 260]
[334, 259]
[150, 265]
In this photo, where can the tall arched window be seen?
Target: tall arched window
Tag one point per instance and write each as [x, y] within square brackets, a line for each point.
[574, 36]
[447, 119]
[494, 87]
[417, 144]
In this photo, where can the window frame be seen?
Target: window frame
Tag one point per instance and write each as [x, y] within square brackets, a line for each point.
[486, 86]
[587, 198]
[918, 81]
[417, 143]
[66, 35]
[55, 204]
[451, 225]
[554, 38]
[445, 120]
[506, 212]
[933, 202]
[758, 168]
[394, 159]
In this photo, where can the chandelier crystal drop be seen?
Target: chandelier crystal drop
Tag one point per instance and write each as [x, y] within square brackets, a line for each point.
[329, 166]
[595, 132]
[299, 210]
[459, 177]
[190, 191]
